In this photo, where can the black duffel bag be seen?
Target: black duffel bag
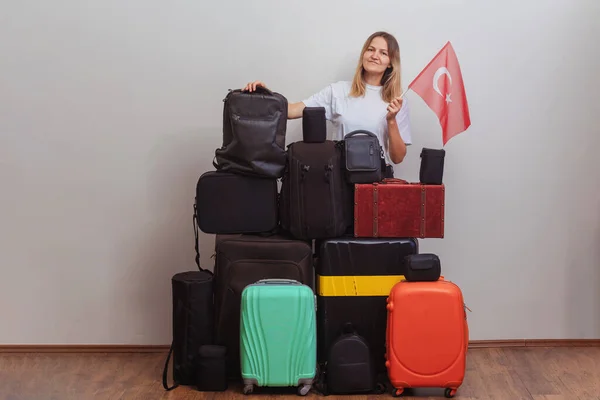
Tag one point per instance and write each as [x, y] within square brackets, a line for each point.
[254, 130]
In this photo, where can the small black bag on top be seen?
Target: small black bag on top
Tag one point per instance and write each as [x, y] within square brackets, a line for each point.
[363, 157]
[432, 166]
[211, 375]
[193, 325]
[424, 267]
[314, 125]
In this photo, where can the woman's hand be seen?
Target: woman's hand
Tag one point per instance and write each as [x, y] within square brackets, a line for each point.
[251, 86]
[393, 108]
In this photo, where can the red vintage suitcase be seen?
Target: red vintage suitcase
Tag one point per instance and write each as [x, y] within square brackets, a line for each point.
[427, 336]
[396, 208]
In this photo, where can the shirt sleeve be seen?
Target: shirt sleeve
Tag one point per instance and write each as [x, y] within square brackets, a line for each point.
[403, 121]
[323, 98]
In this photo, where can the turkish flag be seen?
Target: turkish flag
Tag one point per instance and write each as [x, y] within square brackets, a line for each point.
[440, 85]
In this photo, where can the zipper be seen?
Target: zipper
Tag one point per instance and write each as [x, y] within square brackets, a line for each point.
[294, 195]
[304, 171]
[238, 117]
[329, 176]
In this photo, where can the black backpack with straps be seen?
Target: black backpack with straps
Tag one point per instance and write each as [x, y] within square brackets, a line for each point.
[350, 366]
[315, 200]
[254, 132]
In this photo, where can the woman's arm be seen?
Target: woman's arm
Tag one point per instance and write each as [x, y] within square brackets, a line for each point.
[396, 143]
[295, 110]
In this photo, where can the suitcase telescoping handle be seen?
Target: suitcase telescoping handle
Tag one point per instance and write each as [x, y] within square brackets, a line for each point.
[277, 281]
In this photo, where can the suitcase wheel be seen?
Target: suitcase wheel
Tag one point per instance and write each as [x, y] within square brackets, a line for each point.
[248, 389]
[449, 393]
[380, 388]
[398, 392]
[304, 389]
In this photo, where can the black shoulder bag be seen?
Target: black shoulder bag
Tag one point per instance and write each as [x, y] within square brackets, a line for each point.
[363, 156]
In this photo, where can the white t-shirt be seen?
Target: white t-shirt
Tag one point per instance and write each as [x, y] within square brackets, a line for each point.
[352, 113]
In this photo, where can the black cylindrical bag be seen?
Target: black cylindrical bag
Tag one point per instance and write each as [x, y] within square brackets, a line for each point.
[193, 323]
[432, 166]
[211, 375]
[314, 125]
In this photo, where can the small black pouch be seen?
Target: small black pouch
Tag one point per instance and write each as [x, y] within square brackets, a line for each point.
[350, 368]
[314, 125]
[432, 166]
[423, 267]
[362, 157]
[211, 372]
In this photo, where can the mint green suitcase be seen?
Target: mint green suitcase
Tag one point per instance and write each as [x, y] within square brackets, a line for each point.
[278, 335]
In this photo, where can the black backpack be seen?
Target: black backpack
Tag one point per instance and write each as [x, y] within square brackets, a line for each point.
[254, 130]
[315, 198]
[350, 366]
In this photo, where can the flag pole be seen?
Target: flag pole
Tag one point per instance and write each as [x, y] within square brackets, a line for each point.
[403, 93]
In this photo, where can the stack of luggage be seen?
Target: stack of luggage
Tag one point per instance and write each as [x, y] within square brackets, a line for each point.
[318, 281]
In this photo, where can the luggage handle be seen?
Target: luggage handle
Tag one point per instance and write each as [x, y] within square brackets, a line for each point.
[259, 89]
[394, 180]
[360, 132]
[275, 281]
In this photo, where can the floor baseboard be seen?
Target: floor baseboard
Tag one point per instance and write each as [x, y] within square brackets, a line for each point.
[82, 348]
[126, 348]
[482, 344]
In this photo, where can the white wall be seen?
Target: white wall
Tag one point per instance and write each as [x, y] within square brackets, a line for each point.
[110, 110]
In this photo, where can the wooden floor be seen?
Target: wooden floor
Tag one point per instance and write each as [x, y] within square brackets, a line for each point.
[502, 373]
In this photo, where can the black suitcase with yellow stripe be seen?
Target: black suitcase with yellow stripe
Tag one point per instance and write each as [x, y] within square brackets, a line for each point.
[354, 278]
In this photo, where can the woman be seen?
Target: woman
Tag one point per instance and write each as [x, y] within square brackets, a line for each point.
[371, 101]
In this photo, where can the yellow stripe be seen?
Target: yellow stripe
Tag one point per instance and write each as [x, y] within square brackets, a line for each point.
[366, 285]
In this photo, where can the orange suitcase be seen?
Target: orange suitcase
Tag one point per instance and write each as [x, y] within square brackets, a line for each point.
[427, 336]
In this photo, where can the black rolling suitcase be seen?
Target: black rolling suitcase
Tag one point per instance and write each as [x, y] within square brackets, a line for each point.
[229, 203]
[354, 278]
[244, 259]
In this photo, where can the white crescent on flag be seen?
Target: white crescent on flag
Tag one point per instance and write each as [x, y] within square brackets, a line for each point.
[441, 71]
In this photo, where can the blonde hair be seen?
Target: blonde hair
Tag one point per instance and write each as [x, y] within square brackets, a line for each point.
[391, 79]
